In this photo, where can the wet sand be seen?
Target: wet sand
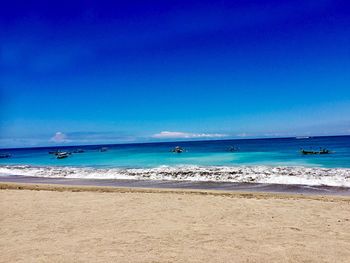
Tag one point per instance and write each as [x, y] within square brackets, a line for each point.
[166, 184]
[55, 223]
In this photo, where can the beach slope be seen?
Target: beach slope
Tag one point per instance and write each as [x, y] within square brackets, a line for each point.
[92, 224]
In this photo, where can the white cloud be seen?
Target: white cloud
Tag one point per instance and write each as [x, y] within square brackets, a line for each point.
[186, 135]
[59, 137]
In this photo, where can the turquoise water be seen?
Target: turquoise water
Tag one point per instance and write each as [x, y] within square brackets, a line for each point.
[275, 152]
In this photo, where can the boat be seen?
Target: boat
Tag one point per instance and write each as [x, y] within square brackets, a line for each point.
[177, 149]
[324, 151]
[5, 155]
[321, 151]
[308, 152]
[62, 155]
[103, 149]
[232, 149]
[54, 152]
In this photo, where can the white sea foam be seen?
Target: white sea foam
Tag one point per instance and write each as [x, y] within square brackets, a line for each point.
[241, 174]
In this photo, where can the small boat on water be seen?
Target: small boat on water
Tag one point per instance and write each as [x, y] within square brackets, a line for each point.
[104, 149]
[324, 151]
[57, 152]
[5, 155]
[232, 149]
[308, 152]
[62, 155]
[177, 149]
[321, 151]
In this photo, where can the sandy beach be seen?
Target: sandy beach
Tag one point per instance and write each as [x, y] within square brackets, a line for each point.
[43, 223]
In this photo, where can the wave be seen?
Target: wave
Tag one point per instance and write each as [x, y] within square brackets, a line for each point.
[239, 174]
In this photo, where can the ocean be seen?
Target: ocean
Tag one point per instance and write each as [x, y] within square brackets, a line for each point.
[277, 160]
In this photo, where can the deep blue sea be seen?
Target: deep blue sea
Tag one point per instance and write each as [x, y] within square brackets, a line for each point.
[272, 152]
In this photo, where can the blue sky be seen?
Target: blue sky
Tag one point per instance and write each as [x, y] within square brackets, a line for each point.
[81, 72]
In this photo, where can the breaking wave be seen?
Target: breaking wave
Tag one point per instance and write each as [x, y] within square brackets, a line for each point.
[239, 174]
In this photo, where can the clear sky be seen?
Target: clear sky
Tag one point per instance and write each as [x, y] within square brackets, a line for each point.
[81, 72]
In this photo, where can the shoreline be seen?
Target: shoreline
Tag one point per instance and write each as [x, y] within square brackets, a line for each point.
[312, 177]
[182, 191]
[180, 185]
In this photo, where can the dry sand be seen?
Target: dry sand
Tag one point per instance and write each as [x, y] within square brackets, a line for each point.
[91, 224]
